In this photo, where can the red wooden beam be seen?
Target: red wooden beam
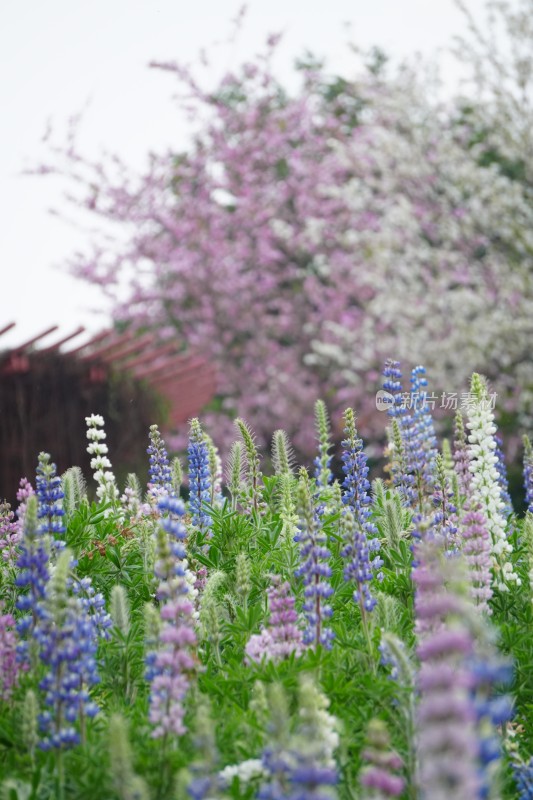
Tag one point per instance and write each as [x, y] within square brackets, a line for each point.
[119, 339]
[140, 343]
[27, 344]
[58, 344]
[150, 355]
[94, 340]
[7, 328]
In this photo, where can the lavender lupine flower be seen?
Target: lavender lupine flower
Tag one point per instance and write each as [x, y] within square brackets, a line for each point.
[359, 534]
[485, 487]
[476, 547]
[282, 637]
[447, 744]
[67, 647]
[9, 668]
[160, 482]
[10, 534]
[33, 575]
[50, 501]
[377, 777]
[528, 473]
[170, 665]
[314, 568]
[107, 490]
[24, 491]
[199, 477]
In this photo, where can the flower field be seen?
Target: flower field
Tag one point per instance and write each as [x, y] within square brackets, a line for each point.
[224, 633]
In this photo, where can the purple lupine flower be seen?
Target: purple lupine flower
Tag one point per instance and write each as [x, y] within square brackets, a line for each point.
[67, 647]
[381, 764]
[33, 576]
[199, 477]
[476, 546]
[360, 535]
[160, 483]
[171, 664]
[447, 742]
[9, 668]
[24, 491]
[502, 476]
[10, 534]
[282, 637]
[528, 473]
[314, 568]
[50, 496]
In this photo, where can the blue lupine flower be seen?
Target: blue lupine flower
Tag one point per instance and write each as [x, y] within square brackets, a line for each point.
[93, 603]
[67, 647]
[199, 477]
[359, 533]
[314, 568]
[32, 565]
[50, 496]
[426, 439]
[523, 774]
[528, 473]
[502, 476]
[393, 385]
[172, 511]
[160, 482]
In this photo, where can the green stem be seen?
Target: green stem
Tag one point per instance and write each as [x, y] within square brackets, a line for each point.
[60, 775]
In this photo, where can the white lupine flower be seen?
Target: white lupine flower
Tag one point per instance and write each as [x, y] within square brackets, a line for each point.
[246, 771]
[95, 419]
[107, 489]
[484, 485]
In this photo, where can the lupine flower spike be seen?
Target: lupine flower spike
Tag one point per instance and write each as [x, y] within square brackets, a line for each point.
[107, 490]
[359, 533]
[485, 486]
[50, 501]
[160, 482]
[314, 568]
[199, 477]
[528, 473]
[67, 647]
[171, 664]
[322, 462]
[253, 467]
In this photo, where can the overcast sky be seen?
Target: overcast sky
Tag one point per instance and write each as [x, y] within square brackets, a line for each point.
[60, 57]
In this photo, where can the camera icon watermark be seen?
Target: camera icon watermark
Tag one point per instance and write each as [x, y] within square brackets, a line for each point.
[384, 400]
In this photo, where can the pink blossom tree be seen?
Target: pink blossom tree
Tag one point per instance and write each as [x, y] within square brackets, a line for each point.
[303, 238]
